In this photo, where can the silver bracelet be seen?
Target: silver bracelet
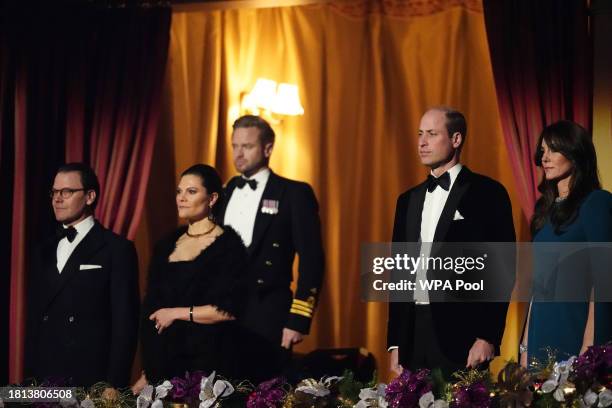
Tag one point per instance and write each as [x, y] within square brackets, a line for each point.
[522, 348]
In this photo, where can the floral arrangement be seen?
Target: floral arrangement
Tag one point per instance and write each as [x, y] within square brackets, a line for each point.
[580, 382]
[269, 394]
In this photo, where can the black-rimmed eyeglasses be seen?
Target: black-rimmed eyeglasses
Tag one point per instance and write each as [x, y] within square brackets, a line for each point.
[64, 192]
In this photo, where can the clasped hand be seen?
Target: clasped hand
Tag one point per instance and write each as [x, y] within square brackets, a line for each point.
[164, 318]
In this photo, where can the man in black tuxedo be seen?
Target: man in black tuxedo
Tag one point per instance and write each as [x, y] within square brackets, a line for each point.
[452, 205]
[83, 292]
[276, 217]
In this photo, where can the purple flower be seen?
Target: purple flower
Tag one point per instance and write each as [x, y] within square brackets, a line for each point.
[186, 389]
[268, 394]
[475, 395]
[595, 364]
[406, 389]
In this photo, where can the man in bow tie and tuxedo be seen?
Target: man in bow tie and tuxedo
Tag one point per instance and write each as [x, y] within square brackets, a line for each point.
[82, 292]
[452, 205]
[276, 218]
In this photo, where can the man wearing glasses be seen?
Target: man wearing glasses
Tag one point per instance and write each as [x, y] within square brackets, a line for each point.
[82, 292]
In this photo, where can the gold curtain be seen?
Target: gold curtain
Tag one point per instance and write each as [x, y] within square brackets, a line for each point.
[365, 77]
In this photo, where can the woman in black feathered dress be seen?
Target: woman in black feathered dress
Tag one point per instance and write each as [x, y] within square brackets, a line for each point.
[195, 289]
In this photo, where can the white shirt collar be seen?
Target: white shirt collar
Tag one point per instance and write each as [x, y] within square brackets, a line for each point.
[65, 247]
[84, 225]
[261, 176]
[453, 172]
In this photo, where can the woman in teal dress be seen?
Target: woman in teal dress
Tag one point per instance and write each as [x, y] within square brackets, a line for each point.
[572, 209]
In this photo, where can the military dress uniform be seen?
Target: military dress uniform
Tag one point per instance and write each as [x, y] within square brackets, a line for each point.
[277, 218]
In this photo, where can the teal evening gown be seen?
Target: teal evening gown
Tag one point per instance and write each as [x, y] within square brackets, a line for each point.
[560, 325]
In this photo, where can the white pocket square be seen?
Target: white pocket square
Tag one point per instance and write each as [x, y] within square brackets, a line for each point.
[85, 267]
[457, 216]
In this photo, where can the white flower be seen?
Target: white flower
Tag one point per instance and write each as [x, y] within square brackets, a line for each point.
[317, 388]
[162, 390]
[87, 403]
[372, 397]
[549, 386]
[428, 401]
[592, 399]
[329, 381]
[589, 399]
[557, 382]
[559, 395]
[313, 387]
[605, 398]
[211, 391]
[145, 397]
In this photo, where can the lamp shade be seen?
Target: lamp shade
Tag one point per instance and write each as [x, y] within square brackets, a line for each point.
[263, 94]
[287, 101]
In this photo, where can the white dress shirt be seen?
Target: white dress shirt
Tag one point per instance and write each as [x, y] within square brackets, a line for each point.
[65, 247]
[243, 205]
[432, 209]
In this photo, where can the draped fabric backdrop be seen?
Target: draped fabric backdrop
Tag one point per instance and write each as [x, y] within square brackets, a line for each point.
[547, 78]
[7, 150]
[366, 71]
[115, 108]
[86, 85]
[77, 85]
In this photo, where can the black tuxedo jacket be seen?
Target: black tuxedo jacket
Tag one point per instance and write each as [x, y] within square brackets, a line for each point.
[82, 324]
[276, 239]
[485, 206]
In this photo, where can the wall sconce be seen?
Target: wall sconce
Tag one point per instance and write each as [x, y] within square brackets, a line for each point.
[269, 99]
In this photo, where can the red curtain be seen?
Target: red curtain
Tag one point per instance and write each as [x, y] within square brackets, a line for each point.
[542, 64]
[78, 84]
[7, 149]
[115, 130]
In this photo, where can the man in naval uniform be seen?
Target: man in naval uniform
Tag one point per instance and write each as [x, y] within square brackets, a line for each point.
[276, 218]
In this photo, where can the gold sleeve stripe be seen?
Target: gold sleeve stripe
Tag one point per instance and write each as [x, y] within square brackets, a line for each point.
[299, 312]
[302, 308]
[301, 303]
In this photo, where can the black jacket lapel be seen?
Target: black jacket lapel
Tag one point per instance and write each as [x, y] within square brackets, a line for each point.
[48, 272]
[92, 242]
[415, 213]
[229, 190]
[459, 188]
[273, 191]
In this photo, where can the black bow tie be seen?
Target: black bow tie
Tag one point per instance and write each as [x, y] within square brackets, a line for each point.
[241, 182]
[442, 181]
[69, 233]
